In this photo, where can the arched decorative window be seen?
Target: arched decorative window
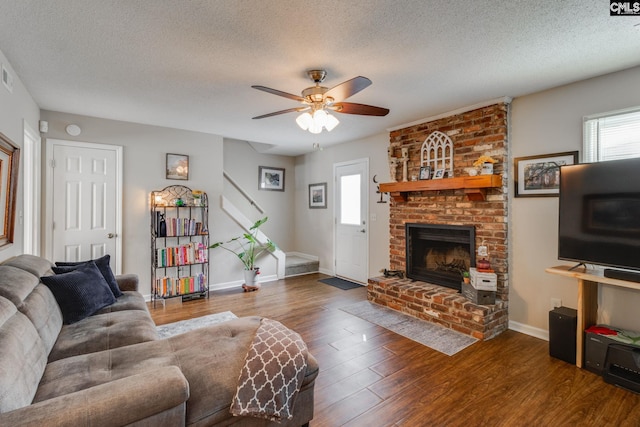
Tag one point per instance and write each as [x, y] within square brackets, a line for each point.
[437, 153]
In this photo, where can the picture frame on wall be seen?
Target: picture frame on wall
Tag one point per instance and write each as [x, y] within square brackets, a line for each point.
[539, 176]
[425, 172]
[318, 196]
[9, 162]
[177, 166]
[270, 179]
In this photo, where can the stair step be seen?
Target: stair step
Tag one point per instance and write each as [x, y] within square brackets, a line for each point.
[295, 266]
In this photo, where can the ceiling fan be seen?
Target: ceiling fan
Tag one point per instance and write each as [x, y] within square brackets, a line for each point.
[317, 100]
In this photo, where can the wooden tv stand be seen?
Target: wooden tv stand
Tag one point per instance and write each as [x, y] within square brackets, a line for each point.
[588, 299]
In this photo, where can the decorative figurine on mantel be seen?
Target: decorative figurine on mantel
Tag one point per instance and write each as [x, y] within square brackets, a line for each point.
[393, 165]
[405, 161]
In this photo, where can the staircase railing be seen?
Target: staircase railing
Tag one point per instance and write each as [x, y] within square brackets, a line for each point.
[243, 221]
[243, 193]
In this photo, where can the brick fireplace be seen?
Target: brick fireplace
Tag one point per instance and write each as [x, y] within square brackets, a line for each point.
[482, 131]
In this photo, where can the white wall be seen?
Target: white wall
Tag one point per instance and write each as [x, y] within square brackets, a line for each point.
[145, 149]
[242, 163]
[551, 122]
[15, 108]
[314, 227]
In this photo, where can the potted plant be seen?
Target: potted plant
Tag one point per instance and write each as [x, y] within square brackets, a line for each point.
[248, 251]
[485, 164]
[465, 277]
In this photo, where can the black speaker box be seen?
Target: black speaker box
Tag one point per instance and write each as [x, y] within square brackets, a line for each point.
[563, 322]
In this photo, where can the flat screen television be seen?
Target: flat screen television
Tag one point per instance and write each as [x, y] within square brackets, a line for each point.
[600, 214]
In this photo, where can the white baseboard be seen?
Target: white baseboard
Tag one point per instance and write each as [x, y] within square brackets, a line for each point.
[529, 330]
[239, 283]
[327, 272]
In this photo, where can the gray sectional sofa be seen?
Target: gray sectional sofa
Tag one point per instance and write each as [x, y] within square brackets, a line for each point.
[111, 369]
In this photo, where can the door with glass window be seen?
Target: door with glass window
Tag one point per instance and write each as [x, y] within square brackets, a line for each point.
[351, 230]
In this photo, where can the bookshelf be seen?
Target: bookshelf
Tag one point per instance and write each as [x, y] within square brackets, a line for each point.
[179, 244]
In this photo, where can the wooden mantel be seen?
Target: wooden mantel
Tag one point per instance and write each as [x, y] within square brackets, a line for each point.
[475, 187]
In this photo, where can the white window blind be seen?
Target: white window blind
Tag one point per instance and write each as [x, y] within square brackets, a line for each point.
[612, 136]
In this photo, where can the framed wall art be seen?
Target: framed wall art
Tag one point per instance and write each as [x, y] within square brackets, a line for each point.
[177, 166]
[318, 196]
[439, 174]
[271, 179]
[539, 176]
[9, 161]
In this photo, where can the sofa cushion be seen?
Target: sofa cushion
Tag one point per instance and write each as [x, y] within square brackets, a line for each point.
[33, 264]
[80, 292]
[104, 332]
[22, 358]
[16, 284]
[43, 311]
[103, 266]
[128, 301]
[33, 299]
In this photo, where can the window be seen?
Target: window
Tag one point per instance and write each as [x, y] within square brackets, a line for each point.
[612, 136]
[350, 199]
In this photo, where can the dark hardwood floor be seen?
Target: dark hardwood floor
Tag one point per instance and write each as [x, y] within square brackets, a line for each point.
[372, 377]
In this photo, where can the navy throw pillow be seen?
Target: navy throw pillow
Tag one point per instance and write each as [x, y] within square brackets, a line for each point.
[103, 266]
[80, 292]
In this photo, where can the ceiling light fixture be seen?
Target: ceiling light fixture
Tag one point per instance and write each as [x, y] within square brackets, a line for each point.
[314, 122]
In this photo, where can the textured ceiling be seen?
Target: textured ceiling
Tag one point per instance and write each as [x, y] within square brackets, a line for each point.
[190, 64]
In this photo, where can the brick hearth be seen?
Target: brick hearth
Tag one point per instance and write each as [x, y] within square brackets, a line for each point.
[438, 304]
[474, 133]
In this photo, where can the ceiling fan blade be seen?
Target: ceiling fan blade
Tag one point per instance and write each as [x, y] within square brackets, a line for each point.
[276, 113]
[362, 109]
[279, 93]
[349, 88]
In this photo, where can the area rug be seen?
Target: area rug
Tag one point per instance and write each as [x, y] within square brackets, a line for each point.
[433, 336]
[175, 328]
[339, 283]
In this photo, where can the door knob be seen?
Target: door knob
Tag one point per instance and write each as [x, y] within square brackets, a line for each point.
[363, 231]
[111, 235]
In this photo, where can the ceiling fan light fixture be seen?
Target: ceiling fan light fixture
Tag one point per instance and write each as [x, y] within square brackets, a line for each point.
[305, 121]
[314, 123]
[332, 122]
[320, 118]
[315, 129]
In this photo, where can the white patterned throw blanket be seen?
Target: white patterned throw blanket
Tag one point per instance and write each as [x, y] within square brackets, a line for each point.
[272, 373]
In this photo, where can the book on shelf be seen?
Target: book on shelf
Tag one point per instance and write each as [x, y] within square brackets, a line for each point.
[189, 253]
[174, 286]
[177, 227]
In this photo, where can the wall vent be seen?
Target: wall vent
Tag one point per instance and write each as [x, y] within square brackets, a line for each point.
[7, 79]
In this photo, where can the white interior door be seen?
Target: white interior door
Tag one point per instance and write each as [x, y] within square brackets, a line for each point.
[84, 202]
[351, 212]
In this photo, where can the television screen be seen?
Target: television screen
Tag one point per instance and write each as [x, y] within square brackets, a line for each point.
[600, 213]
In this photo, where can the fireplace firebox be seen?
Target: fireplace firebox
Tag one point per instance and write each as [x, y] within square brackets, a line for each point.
[437, 253]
